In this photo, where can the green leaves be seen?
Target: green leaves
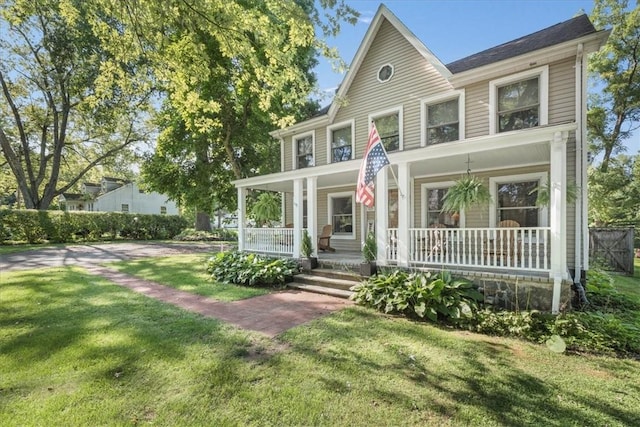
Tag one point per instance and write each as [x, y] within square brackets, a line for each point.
[250, 269]
[466, 192]
[423, 295]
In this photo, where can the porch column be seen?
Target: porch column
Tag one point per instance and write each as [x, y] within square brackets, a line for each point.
[381, 206]
[558, 215]
[404, 213]
[298, 200]
[312, 211]
[242, 213]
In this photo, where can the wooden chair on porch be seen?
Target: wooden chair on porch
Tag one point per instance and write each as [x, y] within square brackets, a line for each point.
[324, 241]
[505, 244]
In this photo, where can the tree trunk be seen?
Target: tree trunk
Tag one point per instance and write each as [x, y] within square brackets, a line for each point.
[203, 222]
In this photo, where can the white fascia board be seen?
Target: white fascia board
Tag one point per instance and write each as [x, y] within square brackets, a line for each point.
[329, 169]
[307, 125]
[528, 60]
[482, 143]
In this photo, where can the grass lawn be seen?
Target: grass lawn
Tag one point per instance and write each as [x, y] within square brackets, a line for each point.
[186, 273]
[630, 284]
[78, 350]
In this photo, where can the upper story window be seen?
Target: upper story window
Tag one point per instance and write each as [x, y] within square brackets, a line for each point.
[340, 137]
[519, 101]
[443, 122]
[303, 146]
[389, 125]
[442, 118]
[163, 210]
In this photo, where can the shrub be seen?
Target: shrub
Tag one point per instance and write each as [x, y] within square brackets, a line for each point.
[424, 295]
[220, 234]
[250, 269]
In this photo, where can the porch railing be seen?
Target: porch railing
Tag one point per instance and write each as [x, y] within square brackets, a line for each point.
[269, 240]
[522, 248]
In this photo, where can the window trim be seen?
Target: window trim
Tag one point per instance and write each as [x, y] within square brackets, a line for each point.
[543, 89]
[388, 112]
[437, 99]
[294, 147]
[330, 196]
[424, 188]
[336, 126]
[543, 214]
[393, 70]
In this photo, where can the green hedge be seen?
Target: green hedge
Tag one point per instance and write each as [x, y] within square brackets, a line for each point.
[32, 226]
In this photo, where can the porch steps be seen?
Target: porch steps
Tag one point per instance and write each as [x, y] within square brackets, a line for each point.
[326, 281]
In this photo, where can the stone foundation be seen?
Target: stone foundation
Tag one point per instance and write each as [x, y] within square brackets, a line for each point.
[520, 292]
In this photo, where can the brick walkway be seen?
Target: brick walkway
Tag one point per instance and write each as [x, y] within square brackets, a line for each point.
[269, 314]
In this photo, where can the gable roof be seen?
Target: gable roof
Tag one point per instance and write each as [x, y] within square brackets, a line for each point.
[564, 31]
[383, 13]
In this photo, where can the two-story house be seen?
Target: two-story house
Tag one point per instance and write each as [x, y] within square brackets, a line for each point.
[513, 115]
[118, 195]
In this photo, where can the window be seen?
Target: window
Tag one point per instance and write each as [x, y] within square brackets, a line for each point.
[385, 73]
[141, 191]
[125, 208]
[341, 209]
[433, 209]
[389, 125]
[519, 101]
[442, 122]
[303, 150]
[163, 210]
[515, 199]
[340, 137]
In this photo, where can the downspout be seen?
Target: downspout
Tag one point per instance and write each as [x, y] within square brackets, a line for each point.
[581, 177]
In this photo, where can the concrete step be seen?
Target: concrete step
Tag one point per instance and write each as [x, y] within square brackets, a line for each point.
[327, 282]
[340, 293]
[335, 274]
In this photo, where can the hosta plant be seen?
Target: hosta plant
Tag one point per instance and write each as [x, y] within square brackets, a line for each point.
[434, 296]
[250, 269]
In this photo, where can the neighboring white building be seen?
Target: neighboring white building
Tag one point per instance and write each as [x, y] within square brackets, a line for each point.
[120, 196]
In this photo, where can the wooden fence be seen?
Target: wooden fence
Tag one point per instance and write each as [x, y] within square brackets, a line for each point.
[612, 246]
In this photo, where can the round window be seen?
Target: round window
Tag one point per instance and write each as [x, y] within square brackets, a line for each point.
[385, 73]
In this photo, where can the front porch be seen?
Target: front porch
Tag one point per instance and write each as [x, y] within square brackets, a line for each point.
[503, 250]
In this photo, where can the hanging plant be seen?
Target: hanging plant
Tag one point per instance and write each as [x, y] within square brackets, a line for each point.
[468, 191]
[544, 193]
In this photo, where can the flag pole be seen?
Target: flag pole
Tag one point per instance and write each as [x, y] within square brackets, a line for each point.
[396, 180]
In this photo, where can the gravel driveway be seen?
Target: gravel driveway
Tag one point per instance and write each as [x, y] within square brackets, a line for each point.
[94, 254]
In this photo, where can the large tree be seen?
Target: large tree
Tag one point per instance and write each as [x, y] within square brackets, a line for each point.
[614, 113]
[232, 71]
[614, 194]
[74, 97]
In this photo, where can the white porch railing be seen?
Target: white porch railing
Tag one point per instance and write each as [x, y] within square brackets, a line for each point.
[522, 248]
[269, 240]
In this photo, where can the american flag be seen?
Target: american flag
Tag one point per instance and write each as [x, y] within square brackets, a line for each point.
[374, 159]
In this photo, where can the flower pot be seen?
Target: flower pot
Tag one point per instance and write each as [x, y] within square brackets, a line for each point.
[309, 263]
[368, 269]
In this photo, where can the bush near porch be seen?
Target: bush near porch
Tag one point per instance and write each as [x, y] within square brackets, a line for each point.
[610, 324]
[250, 269]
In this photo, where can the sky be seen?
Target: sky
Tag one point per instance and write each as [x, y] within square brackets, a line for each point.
[454, 29]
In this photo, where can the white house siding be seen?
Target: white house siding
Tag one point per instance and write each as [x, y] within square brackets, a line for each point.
[414, 78]
[477, 109]
[142, 203]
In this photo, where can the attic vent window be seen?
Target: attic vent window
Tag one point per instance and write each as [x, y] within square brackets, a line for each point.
[385, 73]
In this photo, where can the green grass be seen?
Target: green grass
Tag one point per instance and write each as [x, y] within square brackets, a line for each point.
[186, 273]
[630, 285]
[77, 350]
